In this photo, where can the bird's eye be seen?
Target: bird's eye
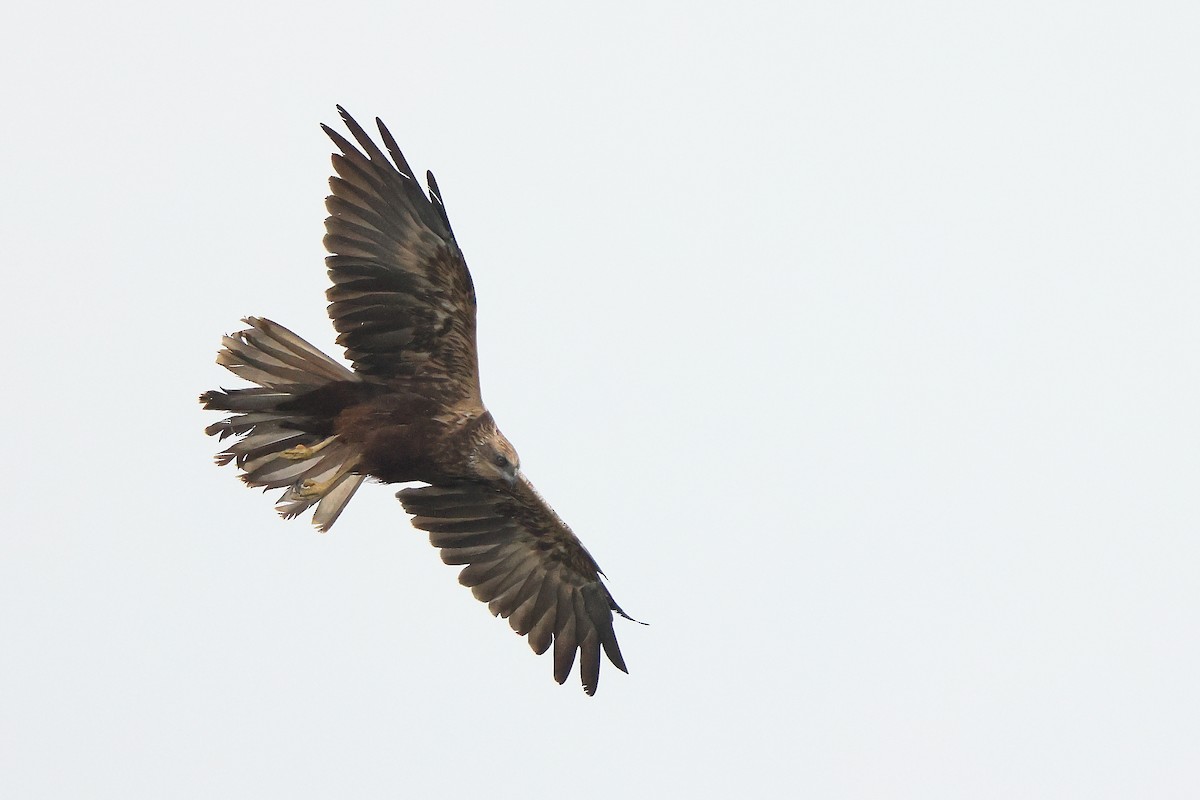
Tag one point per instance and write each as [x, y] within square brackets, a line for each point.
[501, 461]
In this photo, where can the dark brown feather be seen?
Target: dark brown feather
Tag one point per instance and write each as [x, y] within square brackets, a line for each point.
[589, 646]
[565, 635]
[402, 300]
[540, 576]
[525, 585]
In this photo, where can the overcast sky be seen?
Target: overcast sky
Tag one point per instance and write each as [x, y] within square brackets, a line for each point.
[857, 341]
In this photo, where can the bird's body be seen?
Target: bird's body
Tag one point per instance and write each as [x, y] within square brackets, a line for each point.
[411, 410]
[400, 435]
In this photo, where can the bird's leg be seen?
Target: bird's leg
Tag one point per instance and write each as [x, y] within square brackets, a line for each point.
[302, 451]
[310, 489]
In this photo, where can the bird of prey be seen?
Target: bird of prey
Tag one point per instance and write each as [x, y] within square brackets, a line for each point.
[410, 410]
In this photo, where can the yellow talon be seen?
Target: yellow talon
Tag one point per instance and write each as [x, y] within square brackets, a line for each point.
[310, 490]
[302, 451]
[313, 490]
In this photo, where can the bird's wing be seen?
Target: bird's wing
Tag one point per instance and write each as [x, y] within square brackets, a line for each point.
[526, 564]
[402, 300]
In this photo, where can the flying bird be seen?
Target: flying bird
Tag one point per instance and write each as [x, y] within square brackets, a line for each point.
[410, 410]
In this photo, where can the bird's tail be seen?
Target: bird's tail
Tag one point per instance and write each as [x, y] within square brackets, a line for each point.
[283, 444]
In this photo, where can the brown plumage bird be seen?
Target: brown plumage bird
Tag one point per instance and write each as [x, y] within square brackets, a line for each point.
[403, 304]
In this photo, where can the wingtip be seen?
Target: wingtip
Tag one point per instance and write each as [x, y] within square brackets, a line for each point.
[612, 604]
[631, 619]
[345, 117]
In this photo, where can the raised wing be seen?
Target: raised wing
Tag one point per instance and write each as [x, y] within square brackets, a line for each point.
[526, 564]
[402, 300]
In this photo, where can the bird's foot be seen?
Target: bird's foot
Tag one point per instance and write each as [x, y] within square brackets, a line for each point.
[310, 490]
[313, 490]
[302, 451]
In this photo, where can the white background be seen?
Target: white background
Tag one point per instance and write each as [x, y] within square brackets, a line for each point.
[857, 340]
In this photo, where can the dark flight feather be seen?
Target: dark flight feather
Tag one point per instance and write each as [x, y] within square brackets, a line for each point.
[562, 597]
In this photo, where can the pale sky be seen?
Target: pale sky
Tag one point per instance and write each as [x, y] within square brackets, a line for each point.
[856, 340]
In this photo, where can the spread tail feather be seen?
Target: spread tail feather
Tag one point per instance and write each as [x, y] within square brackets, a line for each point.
[276, 449]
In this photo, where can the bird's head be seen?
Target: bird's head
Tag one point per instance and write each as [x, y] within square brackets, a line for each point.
[494, 458]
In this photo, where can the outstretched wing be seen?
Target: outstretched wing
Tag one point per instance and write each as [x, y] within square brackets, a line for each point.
[402, 300]
[526, 564]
